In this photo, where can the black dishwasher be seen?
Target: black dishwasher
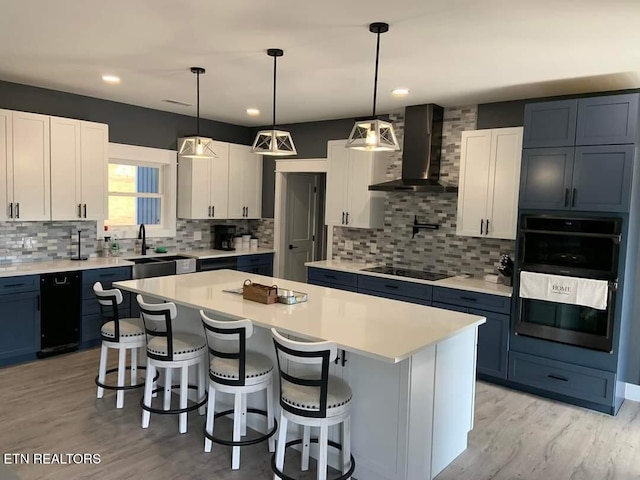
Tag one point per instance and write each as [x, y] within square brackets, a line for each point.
[60, 299]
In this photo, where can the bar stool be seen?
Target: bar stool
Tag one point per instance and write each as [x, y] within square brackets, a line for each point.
[168, 350]
[311, 399]
[235, 370]
[122, 334]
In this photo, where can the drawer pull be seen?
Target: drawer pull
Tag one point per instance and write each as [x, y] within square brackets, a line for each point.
[469, 299]
[14, 285]
[556, 377]
[332, 277]
[106, 275]
[395, 287]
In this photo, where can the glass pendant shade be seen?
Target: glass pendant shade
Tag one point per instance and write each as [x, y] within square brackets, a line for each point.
[274, 142]
[373, 135]
[197, 147]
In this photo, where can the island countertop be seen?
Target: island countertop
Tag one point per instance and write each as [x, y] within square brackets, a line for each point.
[384, 329]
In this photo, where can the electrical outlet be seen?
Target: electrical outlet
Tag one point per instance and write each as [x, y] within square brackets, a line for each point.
[373, 248]
[197, 236]
[348, 245]
[28, 243]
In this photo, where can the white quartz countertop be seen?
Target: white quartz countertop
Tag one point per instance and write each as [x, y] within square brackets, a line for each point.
[461, 282]
[36, 268]
[387, 330]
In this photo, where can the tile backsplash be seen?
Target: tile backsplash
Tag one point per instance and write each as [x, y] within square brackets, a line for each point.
[41, 241]
[438, 250]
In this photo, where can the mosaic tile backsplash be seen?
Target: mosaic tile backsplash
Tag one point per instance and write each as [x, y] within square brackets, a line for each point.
[441, 250]
[42, 241]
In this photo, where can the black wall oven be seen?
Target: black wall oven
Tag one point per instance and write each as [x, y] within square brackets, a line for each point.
[573, 247]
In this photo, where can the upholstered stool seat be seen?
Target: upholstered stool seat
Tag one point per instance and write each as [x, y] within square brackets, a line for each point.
[311, 399]
[122, 334]
[170, 350]
[237, 371]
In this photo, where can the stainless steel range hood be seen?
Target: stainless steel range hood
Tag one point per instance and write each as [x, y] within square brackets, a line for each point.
[420, 153]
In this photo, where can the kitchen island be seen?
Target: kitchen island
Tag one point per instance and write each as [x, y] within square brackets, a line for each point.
[411, 367]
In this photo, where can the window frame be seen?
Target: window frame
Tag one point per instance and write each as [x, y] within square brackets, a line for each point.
[167, 161]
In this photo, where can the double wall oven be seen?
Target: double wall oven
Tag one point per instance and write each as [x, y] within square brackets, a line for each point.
[573, 247]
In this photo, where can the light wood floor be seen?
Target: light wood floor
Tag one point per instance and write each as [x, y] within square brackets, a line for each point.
[50, 406]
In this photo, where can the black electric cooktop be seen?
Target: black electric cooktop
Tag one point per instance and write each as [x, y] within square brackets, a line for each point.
[405, 272]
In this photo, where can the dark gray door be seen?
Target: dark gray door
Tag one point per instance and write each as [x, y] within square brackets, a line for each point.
[602, 178]
[607, 120]
[545, 178]
[550, 124]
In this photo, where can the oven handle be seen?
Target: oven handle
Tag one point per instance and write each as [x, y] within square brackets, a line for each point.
[616, 237]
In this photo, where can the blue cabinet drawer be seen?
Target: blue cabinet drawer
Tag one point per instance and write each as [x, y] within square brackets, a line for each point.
[394, 296]
[332, 277]
[563, 378]
[409, 290]
[483, 301]
[106, 276]
[245, 261]
[26, 283]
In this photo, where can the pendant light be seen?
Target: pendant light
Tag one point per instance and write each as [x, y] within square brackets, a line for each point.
[197, 146]
[374, 134]
[274, 142]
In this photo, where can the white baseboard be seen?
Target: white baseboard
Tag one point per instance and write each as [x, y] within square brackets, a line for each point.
[632, 392]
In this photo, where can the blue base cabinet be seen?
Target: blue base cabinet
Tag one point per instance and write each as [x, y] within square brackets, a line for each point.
[333, 279]
[91, 321]
[260, 264]
[493, 336]
[19, 319]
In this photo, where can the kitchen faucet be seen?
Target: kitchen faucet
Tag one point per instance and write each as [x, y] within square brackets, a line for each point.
[142, 234]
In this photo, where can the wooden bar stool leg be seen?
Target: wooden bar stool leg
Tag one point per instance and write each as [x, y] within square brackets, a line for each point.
[322, 452]
[148, 388]
[346, 445]
[122, 370]
[184, 395]
[134, 365]
[202, 382]
[237, 430]
[211, 411]
[306, 440]
[270, 417]
[102, 372]
[168, 374]
[282, 440]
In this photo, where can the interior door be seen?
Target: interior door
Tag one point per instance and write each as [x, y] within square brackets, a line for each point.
[31, 167]
[94, 145]
[6, 155]
[337, 172]
[474, 182]
[301, 211]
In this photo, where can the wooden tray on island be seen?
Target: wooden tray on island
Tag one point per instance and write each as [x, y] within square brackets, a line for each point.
[257, 292]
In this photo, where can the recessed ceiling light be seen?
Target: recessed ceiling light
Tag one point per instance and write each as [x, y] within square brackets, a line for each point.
[399, 92]
[111, 79]
[253, 112]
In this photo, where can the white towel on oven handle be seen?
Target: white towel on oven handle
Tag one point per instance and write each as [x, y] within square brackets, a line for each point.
[561, 289]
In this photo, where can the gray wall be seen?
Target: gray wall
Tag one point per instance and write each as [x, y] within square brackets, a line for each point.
[127, 123]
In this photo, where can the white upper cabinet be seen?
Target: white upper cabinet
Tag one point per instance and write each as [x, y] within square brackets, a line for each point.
[29, 170]
[203, 185]
[245, 183]
[350, 172]
[489, 183]
[6, 158]
[79, 162]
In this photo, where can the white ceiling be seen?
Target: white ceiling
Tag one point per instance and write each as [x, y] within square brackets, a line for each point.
[451, 52]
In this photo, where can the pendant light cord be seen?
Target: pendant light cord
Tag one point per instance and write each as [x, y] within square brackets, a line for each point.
[375, 81]
[275, 60]
[197, 104]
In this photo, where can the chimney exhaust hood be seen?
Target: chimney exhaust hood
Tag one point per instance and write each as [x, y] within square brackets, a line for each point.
[420, 153]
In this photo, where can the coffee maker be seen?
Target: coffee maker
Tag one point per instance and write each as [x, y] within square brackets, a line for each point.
[223, 237]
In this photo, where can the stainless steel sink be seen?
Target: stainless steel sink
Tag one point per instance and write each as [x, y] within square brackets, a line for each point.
[149, 267]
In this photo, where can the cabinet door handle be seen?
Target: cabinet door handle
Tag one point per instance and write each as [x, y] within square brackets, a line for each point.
[18, 210]
[209, 211]
[347, 218]
[79, 210]
[566, 197]
[85, 210]
[469, 299]
[11, 210]
[247, 211]
[573, 197]
[481, 226]
[213, 210]
[344, 358]
[394, 287]
[342, 218]
[557, 377]
[486, 231]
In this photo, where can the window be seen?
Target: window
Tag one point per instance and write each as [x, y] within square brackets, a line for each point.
[141, 189]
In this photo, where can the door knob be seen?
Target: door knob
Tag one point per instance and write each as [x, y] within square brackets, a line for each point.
[291, 247]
